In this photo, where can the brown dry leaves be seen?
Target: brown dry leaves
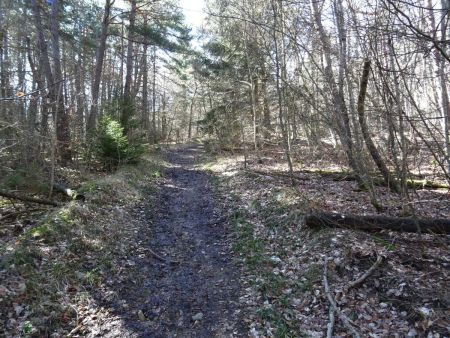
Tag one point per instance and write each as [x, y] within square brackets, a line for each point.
[407, 295]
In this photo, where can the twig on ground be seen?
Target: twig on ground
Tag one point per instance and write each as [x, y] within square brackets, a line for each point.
[162, 259]
[344, 319]
[366, 274]
[330, 325]
[216, 222]
[75, 330]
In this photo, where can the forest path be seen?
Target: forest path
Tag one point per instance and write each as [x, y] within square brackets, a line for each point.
[195, 297]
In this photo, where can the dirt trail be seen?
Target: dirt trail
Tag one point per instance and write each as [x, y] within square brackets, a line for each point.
[198, 295]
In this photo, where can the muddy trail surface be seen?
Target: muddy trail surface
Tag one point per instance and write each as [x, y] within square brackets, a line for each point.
[181, 280]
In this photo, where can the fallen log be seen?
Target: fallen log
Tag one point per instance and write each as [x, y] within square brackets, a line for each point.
[377, 223]
[416, 184]
[338, 176]
[332, 174]
[425, 184]
[277, 174]
[59, 187]
[27, 198]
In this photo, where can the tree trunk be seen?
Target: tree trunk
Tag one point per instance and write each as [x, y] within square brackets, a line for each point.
[5, 71]
[154, 131]
[442, 71]
[278, 75]
[339, 107]
[39, 80]
[99, 59]
[390, 181]
[163, 117]
[145, 116]
[267, 126]
[191, 110]
[62, 117]
[127, 104]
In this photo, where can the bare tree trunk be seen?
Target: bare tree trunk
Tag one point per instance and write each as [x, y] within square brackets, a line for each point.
[390, 181]
[154, 131]
[79, 91]
[139, 72]
[163, 117]
[191, 110]
[62, 118]
[99, 59]
[145, 116]
[44, 62]
[339, 107]
[265, 105]
[21, 78]
[127, 104]
[122, 52]
[442, 78]
[39, 80]
[5, 70]
[279, 74]
[42, 43]
[6, 108]
[442, 71]
[257, 114]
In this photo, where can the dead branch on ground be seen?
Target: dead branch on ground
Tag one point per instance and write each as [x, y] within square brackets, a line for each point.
[27, 198]
[344, 319]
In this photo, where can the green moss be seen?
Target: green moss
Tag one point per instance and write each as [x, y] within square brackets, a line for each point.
[157, 174]
[39, 231]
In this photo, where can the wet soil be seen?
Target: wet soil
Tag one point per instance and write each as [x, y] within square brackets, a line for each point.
[182, 279]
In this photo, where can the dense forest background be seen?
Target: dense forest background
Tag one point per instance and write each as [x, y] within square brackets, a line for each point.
[83, 82]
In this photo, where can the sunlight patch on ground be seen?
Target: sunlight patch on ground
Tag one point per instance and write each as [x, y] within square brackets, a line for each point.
[230, 173]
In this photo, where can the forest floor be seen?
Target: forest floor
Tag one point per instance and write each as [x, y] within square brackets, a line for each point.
[191, 244]
[184, 281]
[146, 255]
[406, 294]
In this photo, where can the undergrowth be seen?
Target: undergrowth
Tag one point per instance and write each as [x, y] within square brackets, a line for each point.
[71, 250]
[251, 227]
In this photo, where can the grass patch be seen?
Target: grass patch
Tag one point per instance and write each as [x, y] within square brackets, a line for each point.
[312, 276]
[283, 326]
[388, 245]
[213, 180]
[272, 285]
[249, 246]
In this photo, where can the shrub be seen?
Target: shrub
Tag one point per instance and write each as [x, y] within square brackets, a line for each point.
[111, 146]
